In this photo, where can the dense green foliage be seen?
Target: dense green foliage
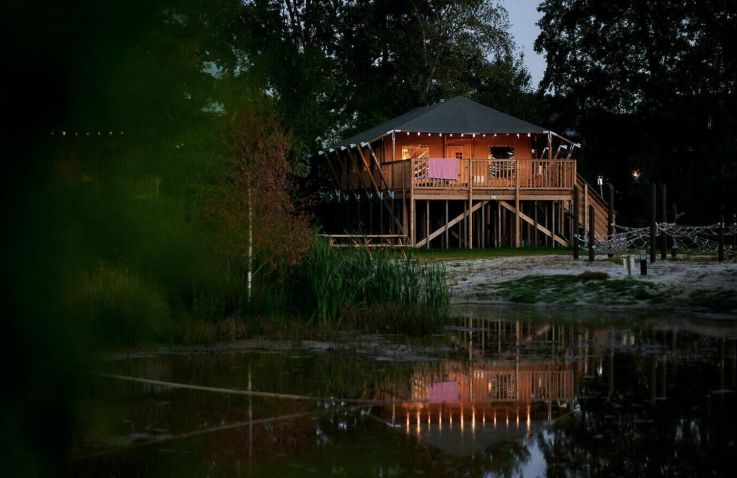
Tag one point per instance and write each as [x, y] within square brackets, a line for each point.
[397, 291]
[648, 85]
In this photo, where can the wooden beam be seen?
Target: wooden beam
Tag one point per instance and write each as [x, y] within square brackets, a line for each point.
[332, 170]
[530, 221]
[378, 166]
[359, 149]
[451, 223]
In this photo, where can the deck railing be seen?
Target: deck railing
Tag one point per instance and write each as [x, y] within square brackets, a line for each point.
[485, 174]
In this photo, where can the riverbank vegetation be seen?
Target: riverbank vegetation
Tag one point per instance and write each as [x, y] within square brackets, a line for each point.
[597, 289]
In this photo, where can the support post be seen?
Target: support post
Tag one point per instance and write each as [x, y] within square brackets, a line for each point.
[663, 216]
[610, 220]
[721, 236]
[412, 212]
[653, 219]
[673, 245]
[534, 230]
[470, 203]
[574, 223]
[592, 222]
[517, 231]
[447, 243]
[427, 223]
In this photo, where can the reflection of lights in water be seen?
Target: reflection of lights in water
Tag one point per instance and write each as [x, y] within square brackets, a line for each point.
[600, 369]
[529, 421]
[440, 420]
[483, 418]
[494, 418]
[407, 423]
[451, 419]
[428, 416]
[507, 420]
[473, 419]
[418, 422]
[517, 420]
[488, 386]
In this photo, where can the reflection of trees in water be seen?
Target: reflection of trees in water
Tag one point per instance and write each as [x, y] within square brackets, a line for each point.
[649, 426]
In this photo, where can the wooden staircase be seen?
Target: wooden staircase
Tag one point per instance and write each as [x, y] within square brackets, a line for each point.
[588, 196]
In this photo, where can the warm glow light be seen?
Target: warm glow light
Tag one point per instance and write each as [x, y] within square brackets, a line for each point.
[473, 419]
[494, 419]
[407, 423]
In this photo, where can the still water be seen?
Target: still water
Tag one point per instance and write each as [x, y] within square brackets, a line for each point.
[502, 393]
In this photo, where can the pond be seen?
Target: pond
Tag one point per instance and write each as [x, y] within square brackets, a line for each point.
[503, 392]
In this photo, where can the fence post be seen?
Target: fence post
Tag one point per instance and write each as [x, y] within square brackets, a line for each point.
[592, 222]
[721, 236]
[663, 236]
[653, 219]
[673, 246]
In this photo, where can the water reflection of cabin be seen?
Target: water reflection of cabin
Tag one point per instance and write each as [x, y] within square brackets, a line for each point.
[459, 174]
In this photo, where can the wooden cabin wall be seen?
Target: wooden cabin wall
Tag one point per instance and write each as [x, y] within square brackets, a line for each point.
[479, 145]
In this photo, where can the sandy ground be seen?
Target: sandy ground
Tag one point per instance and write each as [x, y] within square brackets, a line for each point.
[467, 276]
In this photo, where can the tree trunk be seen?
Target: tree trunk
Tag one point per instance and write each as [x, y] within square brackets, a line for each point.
[250, 244]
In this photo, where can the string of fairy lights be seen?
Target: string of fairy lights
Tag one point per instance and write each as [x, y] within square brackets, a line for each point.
[684, 239]
[63, 133]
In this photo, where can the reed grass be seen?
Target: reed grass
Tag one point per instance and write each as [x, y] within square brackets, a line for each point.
[377, 289]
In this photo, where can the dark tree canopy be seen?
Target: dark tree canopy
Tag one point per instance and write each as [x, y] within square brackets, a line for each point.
[338, 66]
[650, 85]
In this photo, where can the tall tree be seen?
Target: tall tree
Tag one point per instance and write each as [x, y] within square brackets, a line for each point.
[650, 85]
[337, 66]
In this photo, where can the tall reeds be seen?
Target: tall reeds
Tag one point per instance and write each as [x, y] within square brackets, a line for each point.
[378, 289]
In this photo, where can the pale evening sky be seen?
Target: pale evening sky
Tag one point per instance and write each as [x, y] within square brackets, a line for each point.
[523, 16]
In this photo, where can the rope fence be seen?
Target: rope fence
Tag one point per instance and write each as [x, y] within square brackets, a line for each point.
[683, 239]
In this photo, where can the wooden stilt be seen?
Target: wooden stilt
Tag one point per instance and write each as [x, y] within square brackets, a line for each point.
[516, 206]
[553, 222]
[427, 223]
[592, 222]
[483, 227]
[470, 204]
[534, 231]
[498, 230]
[574, 223]
[447, 244]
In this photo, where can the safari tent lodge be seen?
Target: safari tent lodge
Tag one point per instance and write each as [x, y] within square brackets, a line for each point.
[458, 174]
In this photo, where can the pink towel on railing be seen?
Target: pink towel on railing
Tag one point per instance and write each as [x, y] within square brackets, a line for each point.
[442, 168]
[442, 392]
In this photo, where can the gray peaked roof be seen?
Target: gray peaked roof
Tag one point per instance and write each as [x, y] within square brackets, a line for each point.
[456, 115]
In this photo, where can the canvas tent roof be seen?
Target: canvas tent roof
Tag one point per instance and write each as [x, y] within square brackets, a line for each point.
[456, 115]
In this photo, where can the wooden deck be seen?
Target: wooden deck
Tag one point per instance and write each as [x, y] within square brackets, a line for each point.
[531, 177]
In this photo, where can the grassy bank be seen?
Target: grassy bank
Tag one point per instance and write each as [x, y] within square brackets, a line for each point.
[329, 291]
[432, 255]
[598, 289]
